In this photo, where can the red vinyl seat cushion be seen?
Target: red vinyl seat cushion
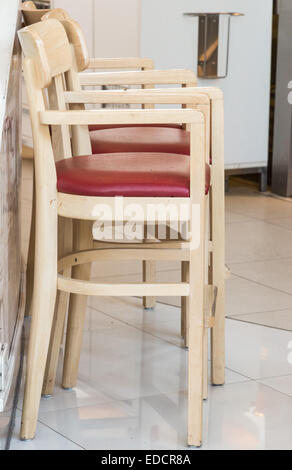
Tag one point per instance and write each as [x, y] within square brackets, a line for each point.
[126, 174]
[141, 139]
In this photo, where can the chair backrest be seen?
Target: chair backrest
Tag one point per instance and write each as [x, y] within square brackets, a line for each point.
[31, 14]
[75, 36]
[47, 45]
[47, 59]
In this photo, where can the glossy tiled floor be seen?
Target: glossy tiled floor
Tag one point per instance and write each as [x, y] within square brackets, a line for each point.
[132, 386]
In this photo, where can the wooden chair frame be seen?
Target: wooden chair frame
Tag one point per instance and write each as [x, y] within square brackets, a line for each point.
[214, 147]
[145, 80]
[45, 64]
[216, 243]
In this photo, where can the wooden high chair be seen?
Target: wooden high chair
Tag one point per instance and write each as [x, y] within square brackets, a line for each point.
[216, 244]
[162, 140]
[147, 78]
[74, 188]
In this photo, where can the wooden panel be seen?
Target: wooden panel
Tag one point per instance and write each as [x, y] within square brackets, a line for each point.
[10, 252]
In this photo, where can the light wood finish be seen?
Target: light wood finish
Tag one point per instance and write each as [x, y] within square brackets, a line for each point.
[149, 77]
[78, 43]
[30, 13]
[75, 36]
[30, 256]
[149, 276]
[120, 116]
[213, 93]
[65, 247]
[82, 240]
[197, 289]
[185, 305]
[218, 240]
[49, 62]
[35, 42]
[83, 288]
[122, 254]
[60, 134]
[217, 191]
[81, 144]
[84, 207]
[121, 63]
[45, 278]
[27, 152]
[150, 96]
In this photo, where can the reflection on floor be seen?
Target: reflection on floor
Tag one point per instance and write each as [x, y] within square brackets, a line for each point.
[131, 392]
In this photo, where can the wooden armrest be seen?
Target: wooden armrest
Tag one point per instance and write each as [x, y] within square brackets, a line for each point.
[149, 77]
[162, 96]
[109, 116]
[122, 63]
[213, 93]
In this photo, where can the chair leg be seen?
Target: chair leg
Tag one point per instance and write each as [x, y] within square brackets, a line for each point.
[218, 280]
[196, 327]
[196, 349]
[218, 241]
[205, 358]
[185, 305]
[44, 295]
[218, 331]
[149, 275]
[30, 258]
[64, 248]
[82, 235]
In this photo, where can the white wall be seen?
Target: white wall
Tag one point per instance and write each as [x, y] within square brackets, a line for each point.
[171, 40]
[112, 27]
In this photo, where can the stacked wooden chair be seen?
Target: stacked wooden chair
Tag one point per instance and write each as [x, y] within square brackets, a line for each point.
[70, 131]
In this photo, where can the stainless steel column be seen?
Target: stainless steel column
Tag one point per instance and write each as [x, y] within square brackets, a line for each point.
[282, 147]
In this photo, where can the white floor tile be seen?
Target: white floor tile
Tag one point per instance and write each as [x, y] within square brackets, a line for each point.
[271, 273]
[257, 351]
[46, 439]
[258, 206]
[256, 240]
[280, 319]
[244, 297]
[81, 395]
[130, 310]
[285, 222]
[124, 363]
[248, 416]
[233, 218]
[232, 377]
[281, 384]
[96, 320]
[239, 416]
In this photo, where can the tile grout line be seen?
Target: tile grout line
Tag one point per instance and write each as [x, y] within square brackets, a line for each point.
[139, 329]
[259, 260]
[60, 434]
[256, 323]
[260, 311]
[260, 283]
[54, 430]
[271, 388]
